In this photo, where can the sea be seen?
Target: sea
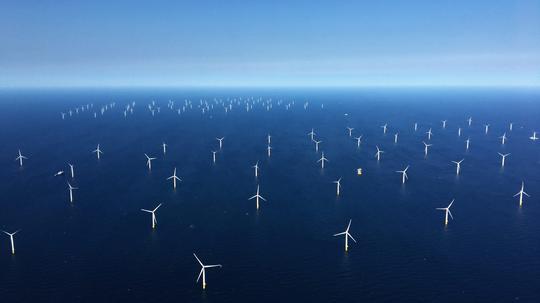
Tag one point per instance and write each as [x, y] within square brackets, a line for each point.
[102, 248]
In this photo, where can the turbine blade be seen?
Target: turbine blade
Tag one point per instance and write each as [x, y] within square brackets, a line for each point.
[198, 260]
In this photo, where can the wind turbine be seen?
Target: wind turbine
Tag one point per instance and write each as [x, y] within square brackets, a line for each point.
[268, 139]
[220, 142]
[322, 159]
[426, 146]
[396, 137]
[350, 131]
[97, 151]
[149, 161]
[338, 186]
[71, 169]
[459, 132]
[520, 193]
[511, 126]
[443, 123]
[469, 121]
[447, 212]
[468, 142]
[164, 146]
[311, 134]
[20, 157]
[256, 167]
[317, 145]
[503, 158]
[486, 128]
[415, 126]
[404, 175]
[153, 212]
[533, 137]
[347, 235]
[257, 196]
[384, 127]
[358, 141]
[503, 138]
[214, 156]
[269, 151]
[378, 153]
[429, 133]
[174, 178]
[12, 240]
[203, 271]
[71, 189]
[458, 166]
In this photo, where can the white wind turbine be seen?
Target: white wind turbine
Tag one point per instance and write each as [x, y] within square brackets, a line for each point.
[20, 158]
[486, 126]
[347, 235]
[164, 146]
[256, 167]
[12, 240]
[384, 127]
[415, 126]
[317, 145]
[269, 151]
[503, 158]
[311, 134]
[429, 133]
[220, 142]
[447, 212]
[426, 146]
[71, 189]
[511, 126]
[98, 151]
[203, 271]
[149, 161]
[269, 139]
[468, 143]
[458, 166]
[322, 159]
[378, 153]
[153, 212]
[533, 137]
[174, 177]
[350, 131]
[443, 123]
[459, 132]
[503, 138]
[403, 173]
[520, 193]
[358, 141]
[396, 137]
[214, 156]
[338, 186]
[72, 170]
[257, 196]
[469, 121]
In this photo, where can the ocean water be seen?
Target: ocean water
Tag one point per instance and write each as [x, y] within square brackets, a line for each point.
[101, 248]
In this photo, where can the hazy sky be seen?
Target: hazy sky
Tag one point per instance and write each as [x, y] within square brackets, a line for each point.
[275, 43]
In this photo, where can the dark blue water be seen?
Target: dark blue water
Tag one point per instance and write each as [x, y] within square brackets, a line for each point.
[101, 248]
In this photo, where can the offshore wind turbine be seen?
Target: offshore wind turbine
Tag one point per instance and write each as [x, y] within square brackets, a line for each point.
[322, 159]
[338, 186]
[396, 137]
[257, 196]
[468, 142]
[469, 121]
[503, 138]
[426, 146]
[358, 141]
[203, 271]
[174, 177]
[269, 150]
[503, 158]
[459, 132]
[443, 123]
[20, 158]
[311, 134]
[486, 126]
[149, 161]
[268, 139]
[350, 131]
[404, 175]
[71, 170]
[347, 235]
[533, 137]
[164, 146]
[384, 127]
[153, 212]
[220, 142]
[71, 189]
[11, 239]
[97, 151]
[458, 166]
[317, 145]
[378, 153]
[447, 212]
[415, 126]
[256, 167]
[214, 156]
[520, 193]
[429, 133]
[511, 126]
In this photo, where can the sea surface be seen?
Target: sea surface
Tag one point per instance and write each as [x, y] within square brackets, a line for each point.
[101, 247]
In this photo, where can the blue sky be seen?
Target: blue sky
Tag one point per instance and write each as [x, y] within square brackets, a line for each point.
[269, 43]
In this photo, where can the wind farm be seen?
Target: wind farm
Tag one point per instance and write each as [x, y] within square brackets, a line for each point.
[269, 152]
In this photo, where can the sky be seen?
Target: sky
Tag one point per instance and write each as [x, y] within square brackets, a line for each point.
[269, 43]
